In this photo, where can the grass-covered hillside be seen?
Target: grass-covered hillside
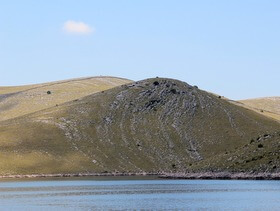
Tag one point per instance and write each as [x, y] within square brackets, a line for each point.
[152, 125]
[21, 100]
[269, 106]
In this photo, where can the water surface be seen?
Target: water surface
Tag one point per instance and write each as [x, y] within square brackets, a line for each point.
[138, 193]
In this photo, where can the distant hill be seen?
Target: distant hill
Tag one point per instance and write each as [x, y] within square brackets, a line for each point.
[154, 125]
[21, 100]
[269, 106]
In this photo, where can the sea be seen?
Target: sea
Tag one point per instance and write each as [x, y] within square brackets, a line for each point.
[138, 193]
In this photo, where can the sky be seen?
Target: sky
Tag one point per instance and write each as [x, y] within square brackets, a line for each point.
[231, 48]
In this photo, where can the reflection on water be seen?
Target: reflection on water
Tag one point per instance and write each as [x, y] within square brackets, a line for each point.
[92, 194]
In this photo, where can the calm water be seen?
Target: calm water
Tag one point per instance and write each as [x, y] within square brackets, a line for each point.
[100, 194]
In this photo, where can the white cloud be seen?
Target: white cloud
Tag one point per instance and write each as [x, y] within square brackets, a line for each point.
[75, 27]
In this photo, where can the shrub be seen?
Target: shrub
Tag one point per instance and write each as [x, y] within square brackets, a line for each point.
[260, 146]
[49, 92]
[156, 83]
[173, 91]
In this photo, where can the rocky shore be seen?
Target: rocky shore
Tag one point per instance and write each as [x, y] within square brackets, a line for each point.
[78, 175]
[189, 176]
[222, 176]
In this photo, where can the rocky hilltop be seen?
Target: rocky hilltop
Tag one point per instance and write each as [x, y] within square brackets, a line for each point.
[155, 125]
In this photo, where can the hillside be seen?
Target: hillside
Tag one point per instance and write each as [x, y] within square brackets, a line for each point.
[269, 106]
[154, 125]
[22, 100]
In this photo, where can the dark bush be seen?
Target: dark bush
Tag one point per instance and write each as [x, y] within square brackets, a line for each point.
[173, 91]
[156, 83]
[260, 146]
[49, 92]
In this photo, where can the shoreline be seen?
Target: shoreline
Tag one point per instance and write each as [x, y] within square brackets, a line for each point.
[222, 176]
[163, 175]
[66, 175]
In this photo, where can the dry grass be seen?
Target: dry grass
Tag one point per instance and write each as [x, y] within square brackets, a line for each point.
[22, 100]
[268, 106]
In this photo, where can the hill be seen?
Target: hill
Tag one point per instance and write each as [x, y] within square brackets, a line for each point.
[154, 125]
[269, 106]
[22, 100]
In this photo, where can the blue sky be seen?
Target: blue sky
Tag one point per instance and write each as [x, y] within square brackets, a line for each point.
[228, 47]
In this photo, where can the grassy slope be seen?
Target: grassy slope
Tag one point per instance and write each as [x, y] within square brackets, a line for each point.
[22, 100]
[144, 126]
[269, 106]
